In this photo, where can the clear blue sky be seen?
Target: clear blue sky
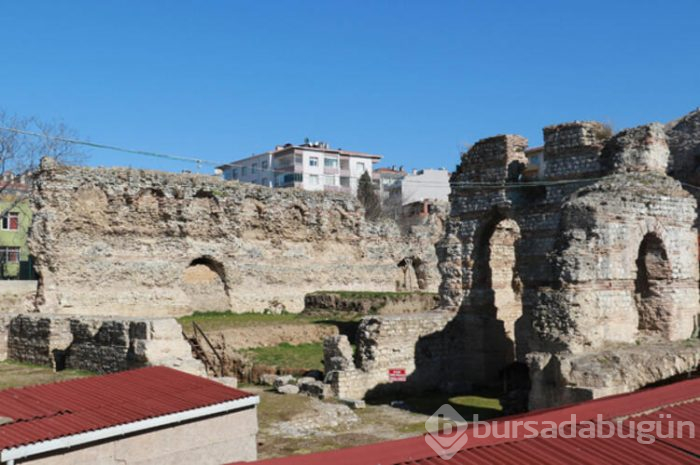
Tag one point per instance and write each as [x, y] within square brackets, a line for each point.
[412, 80]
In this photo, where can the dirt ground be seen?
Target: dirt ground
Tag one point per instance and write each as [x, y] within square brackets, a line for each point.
[296, 424]
[272, 335]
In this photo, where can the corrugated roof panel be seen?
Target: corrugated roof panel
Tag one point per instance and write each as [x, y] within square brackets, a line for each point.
[55, 410]
[680, 400]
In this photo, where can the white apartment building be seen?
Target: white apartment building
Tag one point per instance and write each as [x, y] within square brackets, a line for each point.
[312, 166]
[426, 184]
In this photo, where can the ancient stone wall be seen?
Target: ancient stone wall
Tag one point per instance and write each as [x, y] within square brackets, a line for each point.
[17, 296]
[132, 242]
[95, 344]
[549, 276]
[684, 141]
[414, 343]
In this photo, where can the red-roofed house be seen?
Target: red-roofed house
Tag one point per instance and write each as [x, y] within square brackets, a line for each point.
[676, 405]
[153, 415]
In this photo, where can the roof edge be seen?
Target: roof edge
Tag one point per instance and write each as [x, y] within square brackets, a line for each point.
[65, 442]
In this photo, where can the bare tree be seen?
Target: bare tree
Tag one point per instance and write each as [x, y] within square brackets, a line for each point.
[26, 140]
[23, 142]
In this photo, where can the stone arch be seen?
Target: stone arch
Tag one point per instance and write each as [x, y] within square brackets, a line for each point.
[492, 308]
[651, 287]
[415, 274]
[205, 283]
[496, 288]
[207, 195]
[149, 201]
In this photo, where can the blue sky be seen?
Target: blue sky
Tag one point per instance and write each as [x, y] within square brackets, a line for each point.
[411, 80]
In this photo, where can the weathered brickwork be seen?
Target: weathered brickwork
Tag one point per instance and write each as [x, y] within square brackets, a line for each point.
[549, 276]
[414, 343]
[146, 243]
[95, 344]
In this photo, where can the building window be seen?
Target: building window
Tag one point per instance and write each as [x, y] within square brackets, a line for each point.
[244, 171]
[344, 164]
[234, 173]
[330, 162]
[329, 180]
[253, 168]
[291, 178]
[345, 181]
[360, 166]
[313, 161]
[9, 254]
[264, 181]
[10, 222]
[265, 165]
[313, 180]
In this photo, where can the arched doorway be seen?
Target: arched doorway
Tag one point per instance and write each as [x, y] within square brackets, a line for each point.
[204, 282]
[493, 306]
[496, 286]
[652, 299]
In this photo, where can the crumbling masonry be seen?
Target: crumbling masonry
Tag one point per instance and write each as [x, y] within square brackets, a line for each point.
[580, 284]
[147, 243]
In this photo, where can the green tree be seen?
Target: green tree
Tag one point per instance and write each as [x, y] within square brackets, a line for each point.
[368, 197]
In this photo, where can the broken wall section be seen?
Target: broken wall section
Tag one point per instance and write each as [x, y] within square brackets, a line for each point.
[413, 343]
[96, 344]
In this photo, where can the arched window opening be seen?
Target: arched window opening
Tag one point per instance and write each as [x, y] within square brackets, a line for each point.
[654, 305]
[204, 282]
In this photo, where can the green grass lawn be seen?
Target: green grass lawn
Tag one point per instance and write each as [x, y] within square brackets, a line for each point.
[15, 374]
[292, 357]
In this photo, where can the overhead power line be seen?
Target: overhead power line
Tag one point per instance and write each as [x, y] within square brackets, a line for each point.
[200, 161]
[109, 147]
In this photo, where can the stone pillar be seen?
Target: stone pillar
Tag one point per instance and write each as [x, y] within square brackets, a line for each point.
[572, 150]
[640, 149]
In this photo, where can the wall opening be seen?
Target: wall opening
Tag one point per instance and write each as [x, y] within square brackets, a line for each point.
[654, 306]
[495, 298]
[204, 282]
[496, 286]
[414, 274]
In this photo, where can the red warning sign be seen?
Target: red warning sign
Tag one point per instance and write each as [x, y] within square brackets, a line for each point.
[397, 375]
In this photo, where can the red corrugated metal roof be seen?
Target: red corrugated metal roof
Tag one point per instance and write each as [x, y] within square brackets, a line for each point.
[680, 400]
[61, 409]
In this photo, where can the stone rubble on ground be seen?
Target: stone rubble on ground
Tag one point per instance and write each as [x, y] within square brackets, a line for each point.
[321, 419]
[287, 389]
[283, 380]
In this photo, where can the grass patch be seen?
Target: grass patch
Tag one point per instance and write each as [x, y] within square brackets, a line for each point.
[16, 374]
[293, 357]
[276, 407]
[486, 406]
[477, 402]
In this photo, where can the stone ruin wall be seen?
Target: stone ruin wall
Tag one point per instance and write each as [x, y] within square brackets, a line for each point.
[95, 344]
[145, 243]
[385, 343]
[591, 286]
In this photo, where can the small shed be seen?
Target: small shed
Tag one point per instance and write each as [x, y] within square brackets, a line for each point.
[152, 415]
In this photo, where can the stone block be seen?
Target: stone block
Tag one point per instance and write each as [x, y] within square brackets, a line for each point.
[287, 389]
